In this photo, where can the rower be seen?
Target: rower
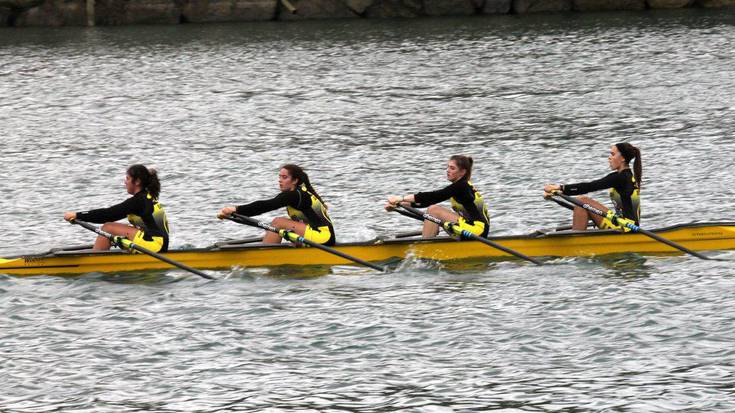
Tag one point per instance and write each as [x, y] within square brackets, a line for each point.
[624, 190]
[470, 211]
[307, 212]
[148, 223]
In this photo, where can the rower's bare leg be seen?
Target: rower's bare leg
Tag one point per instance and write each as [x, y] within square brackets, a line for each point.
[581, 216]
[114, 228]
[431, 229]
[283, 223]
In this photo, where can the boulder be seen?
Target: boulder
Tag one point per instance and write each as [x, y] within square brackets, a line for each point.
[119, 12]
[604, 5]
[19, 4]
[394, 8]
[538, 6]
[53, 13]
[201, 11]
[716, 3]
[497, 6]
[358, 6]
[668, 4]
[317, 9]
[5, 16]
[449, 7]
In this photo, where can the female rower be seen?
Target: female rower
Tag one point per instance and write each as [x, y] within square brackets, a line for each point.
[149, 226]
[306, 210]
[470, 211]
[624, 190]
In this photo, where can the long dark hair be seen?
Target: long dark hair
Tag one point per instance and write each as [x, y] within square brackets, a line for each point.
[630, 152]
[463, 162]
[303, 179]
[148, 179]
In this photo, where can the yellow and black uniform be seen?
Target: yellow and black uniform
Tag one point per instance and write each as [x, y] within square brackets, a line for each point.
[466, 202]
[302, 206]
[624, 194]
[143, 212]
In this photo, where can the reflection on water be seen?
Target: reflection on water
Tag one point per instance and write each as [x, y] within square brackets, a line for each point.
[627, 266]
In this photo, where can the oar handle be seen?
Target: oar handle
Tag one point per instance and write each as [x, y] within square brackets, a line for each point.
[242, 219]
[422, 214]
[631, 226]
[409, 214]
[294, 237]
[561, 202]
[417, 214]
[126, 243]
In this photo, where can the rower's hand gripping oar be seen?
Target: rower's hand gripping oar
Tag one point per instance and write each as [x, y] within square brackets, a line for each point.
[125, 243]
[294, 237]
[452, 228]
[625, 223]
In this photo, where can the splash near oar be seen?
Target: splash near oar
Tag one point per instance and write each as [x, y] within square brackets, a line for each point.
[454, 229]
[125, 243]
[296, 238]
[626, 223]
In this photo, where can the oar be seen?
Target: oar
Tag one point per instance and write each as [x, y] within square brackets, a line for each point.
[123, 242]
[294, 237]
[251, 240]
[563, 203]
[416, 214]
[628, 224]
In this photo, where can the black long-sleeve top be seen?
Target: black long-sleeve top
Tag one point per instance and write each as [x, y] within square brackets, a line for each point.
[624, 192]
[466, 201]
[142, 211]
[301, 206]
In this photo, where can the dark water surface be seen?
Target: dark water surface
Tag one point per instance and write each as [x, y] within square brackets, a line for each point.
[369, 109]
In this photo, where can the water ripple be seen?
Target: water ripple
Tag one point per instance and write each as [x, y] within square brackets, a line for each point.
[370, 109]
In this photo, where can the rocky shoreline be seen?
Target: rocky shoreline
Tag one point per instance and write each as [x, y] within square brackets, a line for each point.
[55, 13]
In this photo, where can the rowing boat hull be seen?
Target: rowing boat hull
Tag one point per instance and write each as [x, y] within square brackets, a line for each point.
[698, 237]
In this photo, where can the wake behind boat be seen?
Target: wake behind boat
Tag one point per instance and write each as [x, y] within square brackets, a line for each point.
[705, 236]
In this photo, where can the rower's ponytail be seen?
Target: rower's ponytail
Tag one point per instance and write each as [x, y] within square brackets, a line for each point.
[629, 153]
[463, 162]
[303, 179]
[637, 167]
[148, 179]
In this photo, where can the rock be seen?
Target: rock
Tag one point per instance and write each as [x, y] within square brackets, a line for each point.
[20, 4]
[497, 6]
[317, 9]
[394, 8]
[117, 12]
[5, 16]
[200, 11]
[358, 6]
[716, 3]
[449, 7]
[668, 4]
[536, 6]
[603, 5]
[53, 13]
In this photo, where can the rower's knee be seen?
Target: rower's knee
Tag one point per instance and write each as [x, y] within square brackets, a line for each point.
[107, 227]
[434, 209]
[280, 222]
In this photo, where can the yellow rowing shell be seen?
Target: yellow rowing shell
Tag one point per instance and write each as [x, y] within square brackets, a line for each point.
[695, 236]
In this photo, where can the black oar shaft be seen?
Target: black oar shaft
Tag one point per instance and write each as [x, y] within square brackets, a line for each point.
[631, 226]
[119, 241]
[242, 219]
[419, 215]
